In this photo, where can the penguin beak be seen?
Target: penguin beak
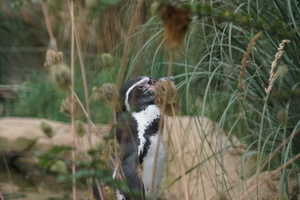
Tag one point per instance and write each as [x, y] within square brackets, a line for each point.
[150, 85]
[171, 78]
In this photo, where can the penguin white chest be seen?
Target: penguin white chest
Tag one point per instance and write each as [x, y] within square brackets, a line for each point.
[144, 120]
[148, 165]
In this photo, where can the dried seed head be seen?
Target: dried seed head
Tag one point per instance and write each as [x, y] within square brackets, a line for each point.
[107, 92]
[107, 60]
[165, 96]
[104, 94]
[60, 76]
[65, 107]
[95, 96]
[273, 72]
[53, 58]
[176, 21]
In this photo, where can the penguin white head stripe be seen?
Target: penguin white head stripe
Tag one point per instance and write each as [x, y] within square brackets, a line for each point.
[142, 82]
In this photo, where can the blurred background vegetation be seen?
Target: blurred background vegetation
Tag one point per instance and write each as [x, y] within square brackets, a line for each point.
[206, 67]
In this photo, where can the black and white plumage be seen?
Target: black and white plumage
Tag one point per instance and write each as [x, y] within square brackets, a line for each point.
[138, 137]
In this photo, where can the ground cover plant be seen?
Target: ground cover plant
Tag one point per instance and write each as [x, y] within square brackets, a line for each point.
[238, 63]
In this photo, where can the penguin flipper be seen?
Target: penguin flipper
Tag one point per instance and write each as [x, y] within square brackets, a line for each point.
[130, 170]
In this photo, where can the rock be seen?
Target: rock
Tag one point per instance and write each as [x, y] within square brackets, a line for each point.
[26, 134]
[206, 154]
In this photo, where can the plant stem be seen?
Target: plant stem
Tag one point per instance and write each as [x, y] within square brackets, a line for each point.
[72, 103]
[170, 68]
[48, 25]
[269, 176]
[85, 88]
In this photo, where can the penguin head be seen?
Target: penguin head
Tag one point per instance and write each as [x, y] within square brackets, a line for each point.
[138, 93]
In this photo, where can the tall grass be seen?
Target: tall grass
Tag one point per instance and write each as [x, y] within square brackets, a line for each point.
[207, 71]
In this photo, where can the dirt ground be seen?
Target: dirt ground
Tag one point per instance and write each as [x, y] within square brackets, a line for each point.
[194, 144]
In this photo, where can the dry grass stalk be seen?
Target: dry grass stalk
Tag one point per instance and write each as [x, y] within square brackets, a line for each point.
[71, 6]
[130, 32]
[110, 33]
[243, 68]
[180, 159]
[265, 163]
[77, 100]
[75, 40]
[283, 143]
[133, 25]
[48, 25]
[273, 72]
[83, 74]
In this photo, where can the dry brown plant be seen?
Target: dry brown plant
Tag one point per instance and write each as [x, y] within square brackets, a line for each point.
[273, 72]
[105, 93]
[165, 97]
[53, 58]
[176, 21]
[243, 68]
[251, 189]
[66, 107]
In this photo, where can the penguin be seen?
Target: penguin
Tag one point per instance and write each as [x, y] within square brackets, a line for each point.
[138, 136]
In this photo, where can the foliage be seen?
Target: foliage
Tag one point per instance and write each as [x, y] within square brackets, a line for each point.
[56, 161]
